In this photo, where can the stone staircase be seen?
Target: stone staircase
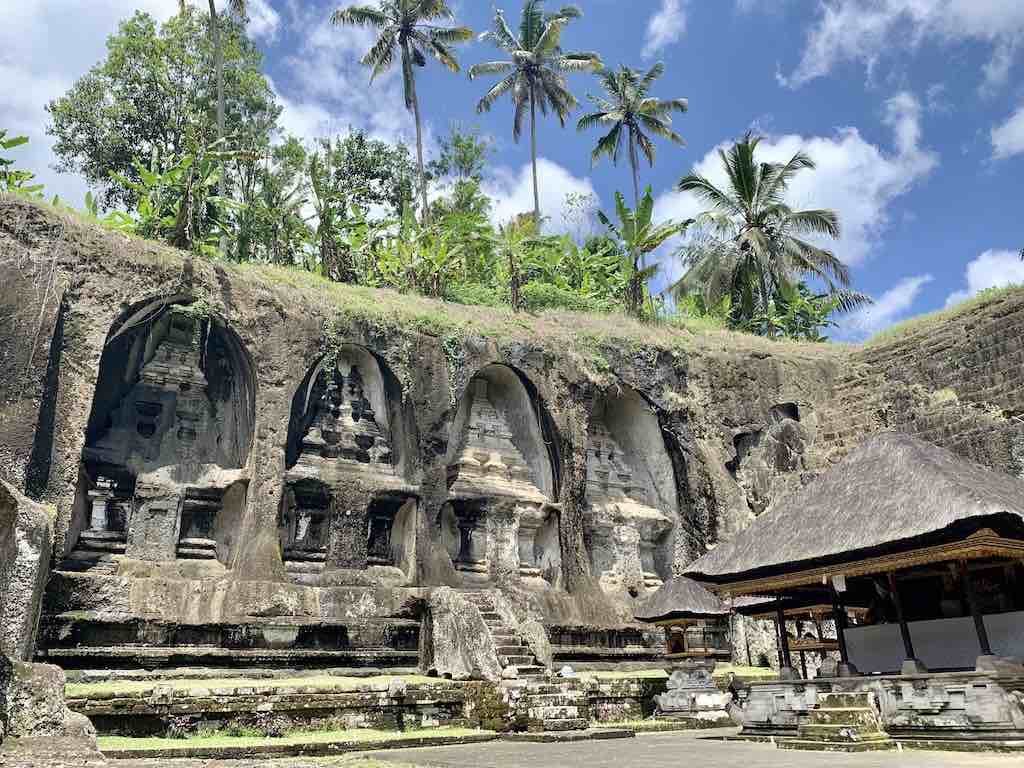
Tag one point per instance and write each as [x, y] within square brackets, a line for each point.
[549, 703]
[841, 722]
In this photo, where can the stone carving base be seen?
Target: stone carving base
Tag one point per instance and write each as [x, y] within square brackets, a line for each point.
[693, 695]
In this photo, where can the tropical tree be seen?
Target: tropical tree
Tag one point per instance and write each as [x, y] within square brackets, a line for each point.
[414, 29]
[638, 236]
[631, 113]
[153, 88]
[755, 250]
[534, 71]
[238, 7]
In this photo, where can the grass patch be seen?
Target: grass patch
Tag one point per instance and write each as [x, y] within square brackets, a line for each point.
[216, 740]
[923, 322]
[318, 682]
[746, 673]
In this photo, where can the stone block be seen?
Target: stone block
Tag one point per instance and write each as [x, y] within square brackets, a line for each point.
[26, 539]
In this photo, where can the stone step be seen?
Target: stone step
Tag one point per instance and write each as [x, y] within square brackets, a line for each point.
[859, 717]
[520, 661]
[879, 745]
[568, 712]
[838, 733]
[490, 616]
[864, 700]
[571, 724]
[531, 669]
[510, 649]
[560, 699]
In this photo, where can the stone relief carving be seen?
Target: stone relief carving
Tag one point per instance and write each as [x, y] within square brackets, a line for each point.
[623, 527]
[497, 508]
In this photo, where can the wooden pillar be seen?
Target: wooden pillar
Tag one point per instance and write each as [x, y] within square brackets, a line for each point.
[839, 616]
[785, 661]
[911, 665]
[803, 656]
[894, 590]
[972, 601]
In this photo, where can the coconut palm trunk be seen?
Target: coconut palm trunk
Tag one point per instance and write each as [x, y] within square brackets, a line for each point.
[415, 101]
[532, 153]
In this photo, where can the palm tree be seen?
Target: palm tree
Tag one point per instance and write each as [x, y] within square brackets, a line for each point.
[413, 27]
[630, 111]
[238, 7]
[639, 235]
[754, 250]
[534, 72]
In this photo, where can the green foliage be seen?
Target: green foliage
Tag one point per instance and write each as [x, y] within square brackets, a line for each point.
[155, 88]
[638, 236]
[630, 114]
[533, 75]
[795, 313]
[177, 200]
[753, 248]
[13, 180]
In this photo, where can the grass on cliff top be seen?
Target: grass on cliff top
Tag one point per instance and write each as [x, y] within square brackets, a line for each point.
[390, 309]
[922, 322]
[354, 736]
[322, 682]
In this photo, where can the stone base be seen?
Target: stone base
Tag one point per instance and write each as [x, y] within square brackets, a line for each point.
[879, 745]
[913, 667]
[1007, 665]
[50, 752]
[550, 737]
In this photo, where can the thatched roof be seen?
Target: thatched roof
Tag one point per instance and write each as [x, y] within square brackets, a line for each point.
[681, 598]
[890, 491]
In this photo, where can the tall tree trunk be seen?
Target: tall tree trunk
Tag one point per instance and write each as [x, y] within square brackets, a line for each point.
[533, 156]
[414, 99]
[218, 58]
[636, 297]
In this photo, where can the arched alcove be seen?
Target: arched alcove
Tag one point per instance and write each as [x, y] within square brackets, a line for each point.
[169, 434]
[633, 506]
[350, 449]
[502, 483]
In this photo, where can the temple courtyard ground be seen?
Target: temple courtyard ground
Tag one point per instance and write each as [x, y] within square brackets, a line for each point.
[645, 751]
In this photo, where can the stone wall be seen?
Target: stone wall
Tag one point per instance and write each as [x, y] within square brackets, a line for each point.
[738, 422]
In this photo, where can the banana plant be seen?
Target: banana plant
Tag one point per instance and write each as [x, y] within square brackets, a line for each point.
[12, 180]
[639, 236]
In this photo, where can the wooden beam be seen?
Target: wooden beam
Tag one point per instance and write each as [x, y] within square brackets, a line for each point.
[972, 600]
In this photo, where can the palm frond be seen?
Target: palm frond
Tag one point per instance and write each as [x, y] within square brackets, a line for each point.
[360, 16]
[661, 128]
[817, 222]
[496, 92]
[609, 144]
[490, 68]
[707, 191]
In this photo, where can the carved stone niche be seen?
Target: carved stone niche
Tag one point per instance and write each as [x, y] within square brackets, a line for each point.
[630, 493]
[499, 522]
[344, 489]
[170, 430]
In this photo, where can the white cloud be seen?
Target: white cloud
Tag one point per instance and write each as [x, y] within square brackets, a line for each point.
[857, 179]
[665, 27]
[992, 269]
[891, 306]
[866, 30]
[44, 46]
[331, 91]
[512, 192]
[1008, 138]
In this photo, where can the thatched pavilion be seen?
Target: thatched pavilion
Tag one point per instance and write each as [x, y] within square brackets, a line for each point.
[695, 620]
[931, 546]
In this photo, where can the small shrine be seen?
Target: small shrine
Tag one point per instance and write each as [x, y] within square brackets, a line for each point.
[499, 511]
[623, 527]
[343, 494]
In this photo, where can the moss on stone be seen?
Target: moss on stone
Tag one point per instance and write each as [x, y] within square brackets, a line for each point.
[189, 687]
[356, 736]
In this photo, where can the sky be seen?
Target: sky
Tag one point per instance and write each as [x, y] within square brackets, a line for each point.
[912, 109]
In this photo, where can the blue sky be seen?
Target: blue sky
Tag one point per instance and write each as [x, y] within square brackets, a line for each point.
[914, 110]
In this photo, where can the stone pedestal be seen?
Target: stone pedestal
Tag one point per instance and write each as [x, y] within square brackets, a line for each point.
[155, 525]
[693, 696]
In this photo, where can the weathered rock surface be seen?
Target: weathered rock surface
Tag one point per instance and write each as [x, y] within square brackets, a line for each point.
[26, 536]
[32, 705]
[456, 641]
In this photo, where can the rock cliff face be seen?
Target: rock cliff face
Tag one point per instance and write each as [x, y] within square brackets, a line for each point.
[26, 537]
[246, 443]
